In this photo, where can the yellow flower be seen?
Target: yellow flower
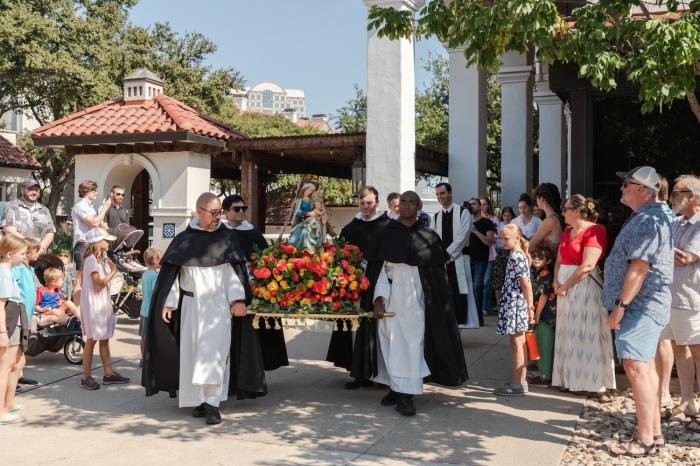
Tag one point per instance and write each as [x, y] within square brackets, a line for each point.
[272, 286]
[350, 269]
[267, 295]
[278, 278]
[273, 300]
[283, 285]
[305, 302]
[353, 285]
[310, 284]
[302, 272]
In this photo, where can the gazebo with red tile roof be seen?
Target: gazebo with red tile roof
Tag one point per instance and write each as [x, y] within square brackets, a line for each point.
[115, 141]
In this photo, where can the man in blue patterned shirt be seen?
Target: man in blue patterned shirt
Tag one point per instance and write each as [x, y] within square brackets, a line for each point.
[637, 274]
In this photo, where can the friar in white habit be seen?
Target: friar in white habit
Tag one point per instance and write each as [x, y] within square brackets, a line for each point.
[406, 269]
[202, 285]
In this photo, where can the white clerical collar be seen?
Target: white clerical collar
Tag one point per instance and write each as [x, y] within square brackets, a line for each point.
[245, 226]
[375, 217]
[194, 223]
[448, 210]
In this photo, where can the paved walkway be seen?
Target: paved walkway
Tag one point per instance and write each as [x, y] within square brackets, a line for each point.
[308, 417]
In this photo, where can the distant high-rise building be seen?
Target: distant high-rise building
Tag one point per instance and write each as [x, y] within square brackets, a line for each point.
[271, 98]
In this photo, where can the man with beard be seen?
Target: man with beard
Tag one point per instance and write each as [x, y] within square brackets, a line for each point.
[358, 232]
[683, 329]
[201, 285]
[116, 214]
[274, 348]
[27, 218]
[406, 271]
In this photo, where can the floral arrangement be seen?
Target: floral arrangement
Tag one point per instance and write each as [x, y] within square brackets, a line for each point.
[289, 281]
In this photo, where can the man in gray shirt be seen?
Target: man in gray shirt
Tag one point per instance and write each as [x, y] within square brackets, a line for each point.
[684, 327]
[27, 218]
[637, 274]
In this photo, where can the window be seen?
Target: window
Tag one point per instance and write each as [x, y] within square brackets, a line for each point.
[267, 99]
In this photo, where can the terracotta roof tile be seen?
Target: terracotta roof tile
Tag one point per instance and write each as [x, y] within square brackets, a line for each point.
[162, 114]
[13, 156]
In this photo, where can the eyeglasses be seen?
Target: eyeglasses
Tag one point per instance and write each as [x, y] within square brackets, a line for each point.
[674, 194]
[239, 208]
[627, 183]
[536, 257]
[119, 194]
[213, 213]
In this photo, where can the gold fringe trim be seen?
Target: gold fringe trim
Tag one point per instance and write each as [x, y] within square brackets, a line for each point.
[345, 323]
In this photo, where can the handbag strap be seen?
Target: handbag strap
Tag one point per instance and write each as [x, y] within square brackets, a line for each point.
[578, 264]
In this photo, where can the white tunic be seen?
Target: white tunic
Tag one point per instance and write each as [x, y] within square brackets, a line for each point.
[205, 333]
[400, 358]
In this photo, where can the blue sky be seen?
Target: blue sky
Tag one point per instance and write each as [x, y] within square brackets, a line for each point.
[319, 46]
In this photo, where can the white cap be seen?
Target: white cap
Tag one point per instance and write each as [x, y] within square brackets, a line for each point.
[98, 234]
[645, 175]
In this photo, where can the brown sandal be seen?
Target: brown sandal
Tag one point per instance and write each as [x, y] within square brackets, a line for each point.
[667, 414]
[627, 451]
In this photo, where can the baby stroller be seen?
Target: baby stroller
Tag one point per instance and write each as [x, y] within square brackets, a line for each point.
[124, 287]
[55, 337]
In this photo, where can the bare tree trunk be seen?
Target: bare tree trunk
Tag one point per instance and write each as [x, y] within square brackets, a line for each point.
[694, 105]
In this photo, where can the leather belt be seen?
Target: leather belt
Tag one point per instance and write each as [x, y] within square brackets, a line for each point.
[81, 242]
[186, 293]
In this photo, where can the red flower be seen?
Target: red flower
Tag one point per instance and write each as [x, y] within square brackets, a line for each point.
[290, 296]
[262, 273]
[315, 268]
[328, 299]
[364, 283]
[254, 256]
[336, 305]
[344, 264]
[307, 294]
[319, 287]
[299, 263]
[342, 293]
[350, 250]
[287, 248]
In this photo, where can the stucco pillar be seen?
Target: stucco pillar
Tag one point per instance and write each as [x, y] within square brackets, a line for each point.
[391, 138]
[517, 79]
[467, 127]
[552, 141]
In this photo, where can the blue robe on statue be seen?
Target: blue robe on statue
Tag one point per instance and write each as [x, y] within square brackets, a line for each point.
[301, 236]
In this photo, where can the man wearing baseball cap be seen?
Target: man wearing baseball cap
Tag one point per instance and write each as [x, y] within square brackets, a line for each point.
[27, 218]
[638, 272]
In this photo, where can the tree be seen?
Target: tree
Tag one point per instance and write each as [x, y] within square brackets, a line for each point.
[60, 56]
[605, 39]
[432, 113]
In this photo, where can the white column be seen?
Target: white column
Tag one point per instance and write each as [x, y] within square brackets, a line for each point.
[517, 78]
[467, 127]
[552, 141]
[391, 113]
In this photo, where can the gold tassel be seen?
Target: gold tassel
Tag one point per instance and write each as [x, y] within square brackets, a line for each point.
[355, 325]
[325, 325]
[316, 324]
[286, 324]
[256, 324]
[335, 326]
[267, 323]
[296, 324]
[306, 325]
[345, 326]
[277, 324]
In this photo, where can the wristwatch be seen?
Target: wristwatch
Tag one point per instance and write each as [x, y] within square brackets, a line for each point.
[619, 303]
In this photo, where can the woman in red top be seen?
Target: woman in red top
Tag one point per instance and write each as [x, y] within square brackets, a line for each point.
[583, 349]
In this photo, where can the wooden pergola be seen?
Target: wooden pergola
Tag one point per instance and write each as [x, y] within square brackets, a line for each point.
[253, 161]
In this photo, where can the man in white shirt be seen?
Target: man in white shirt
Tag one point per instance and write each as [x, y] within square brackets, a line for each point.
[454, 230]
[85, 218]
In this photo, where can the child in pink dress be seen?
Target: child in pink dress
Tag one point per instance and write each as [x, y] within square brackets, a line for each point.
[96, 308]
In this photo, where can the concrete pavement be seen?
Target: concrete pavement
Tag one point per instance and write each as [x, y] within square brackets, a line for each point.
[308, 417]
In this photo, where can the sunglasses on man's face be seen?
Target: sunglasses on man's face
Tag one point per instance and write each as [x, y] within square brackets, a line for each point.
[239, 208]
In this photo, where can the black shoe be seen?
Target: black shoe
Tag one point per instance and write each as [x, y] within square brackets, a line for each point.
[481, 323]
[359, 383]
[18, 389]
[391, 398]
[211, 414]
[404, 405]
[26, 381]
[198, 411]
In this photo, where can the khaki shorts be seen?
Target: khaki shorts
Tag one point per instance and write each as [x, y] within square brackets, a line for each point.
[683, 327]
[16, 337]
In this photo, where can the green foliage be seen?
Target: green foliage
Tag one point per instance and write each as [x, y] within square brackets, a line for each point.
[352, 118]
[336, 192]
[603, 38]
[58, 57]
[260, 125]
